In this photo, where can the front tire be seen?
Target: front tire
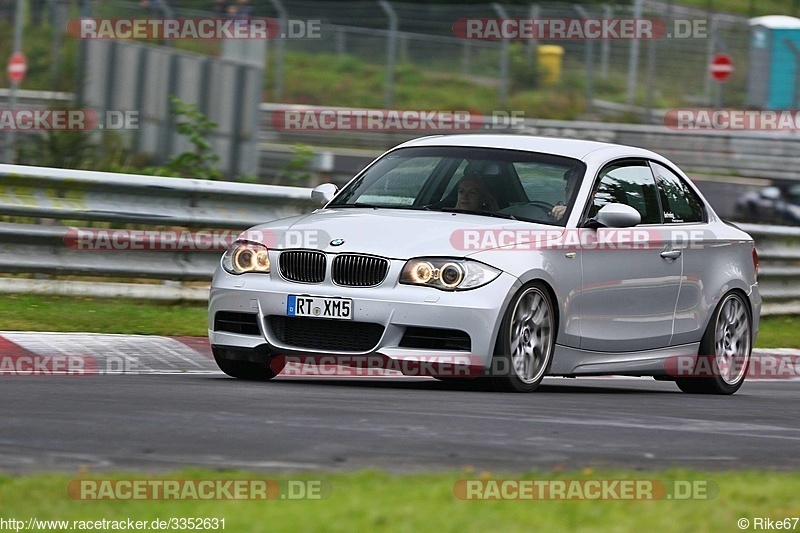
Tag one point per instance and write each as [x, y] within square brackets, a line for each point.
[526, 341]
[240, 369]
[725, 350]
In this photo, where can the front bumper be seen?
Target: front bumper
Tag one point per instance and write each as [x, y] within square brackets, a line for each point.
[478, 312]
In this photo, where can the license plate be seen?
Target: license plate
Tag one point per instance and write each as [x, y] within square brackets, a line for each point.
[316, 307]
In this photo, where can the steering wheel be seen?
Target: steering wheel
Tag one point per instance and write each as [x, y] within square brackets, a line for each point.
[542, 205]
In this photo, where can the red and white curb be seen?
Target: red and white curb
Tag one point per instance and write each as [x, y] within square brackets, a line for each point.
[37, 353]
[29, 353]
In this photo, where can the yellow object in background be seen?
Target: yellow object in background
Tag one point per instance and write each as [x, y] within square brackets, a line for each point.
[549, 57]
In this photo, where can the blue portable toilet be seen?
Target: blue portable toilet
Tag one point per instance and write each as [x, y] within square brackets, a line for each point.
[773, 79]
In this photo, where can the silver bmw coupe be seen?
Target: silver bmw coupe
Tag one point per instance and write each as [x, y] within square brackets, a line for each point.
[512, 256]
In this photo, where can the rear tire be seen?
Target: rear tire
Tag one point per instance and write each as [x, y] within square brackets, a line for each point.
[725, 349]
[245, 370]
[526, 341]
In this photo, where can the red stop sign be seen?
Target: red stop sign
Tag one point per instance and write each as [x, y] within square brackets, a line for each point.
[17, 67]
[721, 67]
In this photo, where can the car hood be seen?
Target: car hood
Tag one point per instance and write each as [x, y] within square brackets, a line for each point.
[396, 233]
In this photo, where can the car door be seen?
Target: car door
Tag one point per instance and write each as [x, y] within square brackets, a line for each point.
[685, 222]
[629, 291]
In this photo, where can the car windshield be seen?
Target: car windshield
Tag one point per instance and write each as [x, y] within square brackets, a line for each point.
[485, 181]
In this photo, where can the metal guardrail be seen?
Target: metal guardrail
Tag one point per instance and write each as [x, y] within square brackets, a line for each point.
[84, 195]
[778, 250]
[125, 199]
[159, 203]
[757, 154]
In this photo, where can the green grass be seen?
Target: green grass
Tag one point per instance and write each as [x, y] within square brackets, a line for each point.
[779, 332]
[752, 8]
[55, 313]
[28, 312]
[370, 500]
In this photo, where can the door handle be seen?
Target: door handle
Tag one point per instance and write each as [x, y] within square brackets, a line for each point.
[671, 254]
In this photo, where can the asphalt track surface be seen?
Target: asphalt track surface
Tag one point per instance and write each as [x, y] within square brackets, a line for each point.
[171, 408]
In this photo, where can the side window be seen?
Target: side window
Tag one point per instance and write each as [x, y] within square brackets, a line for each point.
[543, 182]
[629, 183]
[679, 202]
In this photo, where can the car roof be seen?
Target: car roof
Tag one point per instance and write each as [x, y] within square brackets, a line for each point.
[574, 148]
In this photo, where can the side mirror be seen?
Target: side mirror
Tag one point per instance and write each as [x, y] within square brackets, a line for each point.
[322, 194]
[770, 193]
[616, 216]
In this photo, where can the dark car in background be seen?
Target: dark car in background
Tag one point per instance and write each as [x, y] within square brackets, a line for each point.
[777, 204]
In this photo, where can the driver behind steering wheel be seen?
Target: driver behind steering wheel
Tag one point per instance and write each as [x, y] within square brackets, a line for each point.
[572, 177]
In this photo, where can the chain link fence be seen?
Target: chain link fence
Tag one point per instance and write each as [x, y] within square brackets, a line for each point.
[628, 76]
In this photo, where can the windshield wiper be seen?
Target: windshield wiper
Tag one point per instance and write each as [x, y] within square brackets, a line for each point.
[354, 205]
[474, 212]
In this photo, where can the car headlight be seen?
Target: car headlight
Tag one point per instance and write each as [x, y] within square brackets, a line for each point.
[447, 274]
[246, 256]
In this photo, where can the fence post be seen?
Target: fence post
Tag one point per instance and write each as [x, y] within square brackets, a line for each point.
[504, 53]
[168, 125]
[12, 97]
[633, 63]
[605, 45]
[83, 46]
[283, 22]
[651, 67]
[339, 39]
[58, 21]
[710, 47]
[141, 87]
[530, 50]
[589, 60]
[465, 53]
[391, 52]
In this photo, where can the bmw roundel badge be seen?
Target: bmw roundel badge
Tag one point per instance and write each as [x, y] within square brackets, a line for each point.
[337, 242]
